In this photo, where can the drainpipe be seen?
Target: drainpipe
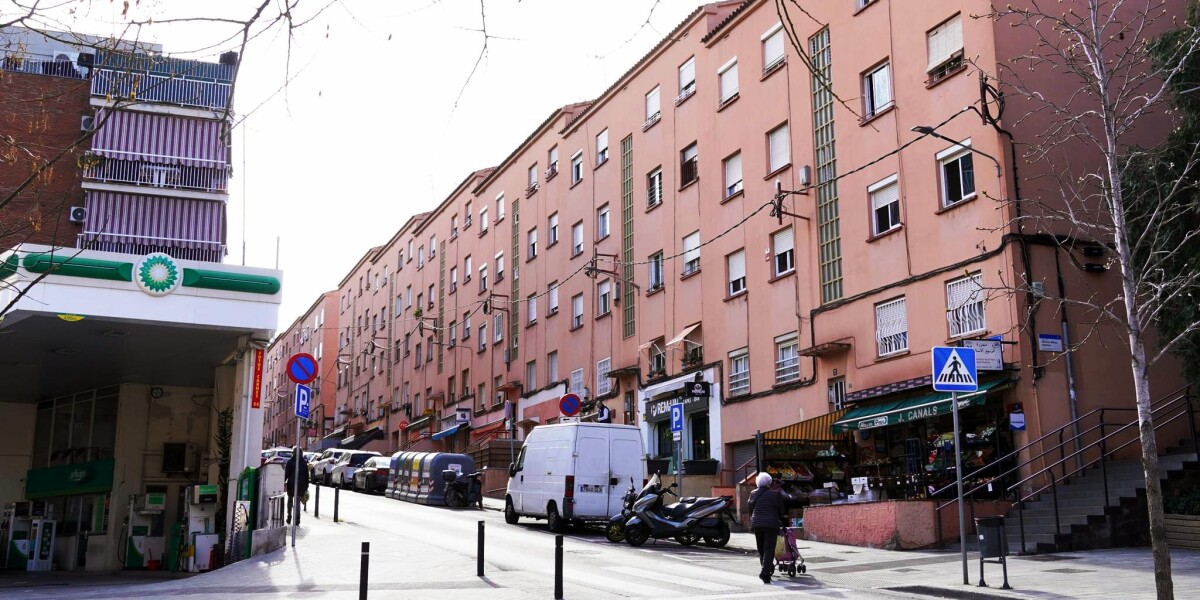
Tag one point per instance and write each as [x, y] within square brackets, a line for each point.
[1067, 353]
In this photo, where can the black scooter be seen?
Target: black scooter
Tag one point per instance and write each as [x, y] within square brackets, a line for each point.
[463, 489]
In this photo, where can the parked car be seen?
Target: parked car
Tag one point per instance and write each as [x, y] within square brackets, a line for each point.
[373, 475]
[277, 456]
[321, 468]
[342, 473]
[309, 457]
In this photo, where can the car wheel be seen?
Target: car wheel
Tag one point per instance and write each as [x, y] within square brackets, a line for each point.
[637, 534]
[510, 512]
[722, 537]
[554, 521]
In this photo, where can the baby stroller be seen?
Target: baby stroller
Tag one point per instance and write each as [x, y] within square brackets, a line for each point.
[787, 556]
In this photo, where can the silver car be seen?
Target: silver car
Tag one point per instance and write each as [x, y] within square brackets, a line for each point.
[322, 467]
[342, 474]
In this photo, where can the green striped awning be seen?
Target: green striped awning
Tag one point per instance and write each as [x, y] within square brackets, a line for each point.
[910, 409]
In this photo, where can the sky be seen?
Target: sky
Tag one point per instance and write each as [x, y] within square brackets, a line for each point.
[361, 119]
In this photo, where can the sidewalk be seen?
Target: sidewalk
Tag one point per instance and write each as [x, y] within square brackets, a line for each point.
[1125, 573]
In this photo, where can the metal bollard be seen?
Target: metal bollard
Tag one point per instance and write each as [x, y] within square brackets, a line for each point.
[362, 573]
[479, 553]
[558, 567]
[336, 491]
[317, 503]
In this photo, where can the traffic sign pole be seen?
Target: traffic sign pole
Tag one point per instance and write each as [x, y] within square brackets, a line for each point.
[295, 508]
[958, 476]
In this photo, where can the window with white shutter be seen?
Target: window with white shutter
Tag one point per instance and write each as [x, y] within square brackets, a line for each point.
[576, 311]
[553, 298]
[601, 147]
[653, 105]
[727, 80]
[964, 305]
[772, 47]
[655, 268]
[654, 191]
[782, 247]
[944, 44]
[687, 79]
[532, 309]
[733, 174]
[691, 253]
[739, 372]
[891, 326]
[603, 383]
[779, 154]
[498, 327]
[787, 358]
[737, 272]
[577, 239]
[885, 205]
[604, 296]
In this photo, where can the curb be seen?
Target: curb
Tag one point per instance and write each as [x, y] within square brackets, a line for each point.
[941, 592]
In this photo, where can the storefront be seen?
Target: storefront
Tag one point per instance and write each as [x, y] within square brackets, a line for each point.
[76, 498]
[807, 458]
[699, 443]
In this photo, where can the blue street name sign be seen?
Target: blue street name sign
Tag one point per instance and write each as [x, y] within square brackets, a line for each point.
[677, 416]
[303, 400]
[954, 369]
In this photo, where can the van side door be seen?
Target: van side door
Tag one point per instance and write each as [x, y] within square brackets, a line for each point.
[591, 474]
[627, 462]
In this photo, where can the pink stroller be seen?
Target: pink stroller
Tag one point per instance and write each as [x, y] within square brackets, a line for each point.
[787, 556]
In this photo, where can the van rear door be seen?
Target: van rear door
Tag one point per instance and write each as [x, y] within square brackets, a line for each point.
[591, 474]
[627, 462]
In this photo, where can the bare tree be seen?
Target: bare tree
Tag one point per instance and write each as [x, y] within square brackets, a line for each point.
[1095, 83]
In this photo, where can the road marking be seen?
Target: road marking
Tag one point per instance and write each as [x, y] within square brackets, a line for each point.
[675, 579]
[620, 586]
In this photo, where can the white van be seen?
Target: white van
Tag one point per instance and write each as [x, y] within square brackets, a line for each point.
[574, 473]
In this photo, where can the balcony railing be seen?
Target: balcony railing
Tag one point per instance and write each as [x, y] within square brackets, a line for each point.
[40, 64]
[207, 251]
[148, 87]
[114, 166]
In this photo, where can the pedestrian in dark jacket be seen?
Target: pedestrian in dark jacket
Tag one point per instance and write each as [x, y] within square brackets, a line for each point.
[289, 471]
[766, 517]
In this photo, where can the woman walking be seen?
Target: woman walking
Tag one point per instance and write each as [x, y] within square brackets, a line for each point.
[766, 517]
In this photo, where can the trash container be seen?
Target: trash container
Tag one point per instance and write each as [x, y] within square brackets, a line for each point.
[993, 542]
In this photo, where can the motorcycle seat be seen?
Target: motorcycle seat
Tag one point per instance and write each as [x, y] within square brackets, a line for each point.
[705, 502]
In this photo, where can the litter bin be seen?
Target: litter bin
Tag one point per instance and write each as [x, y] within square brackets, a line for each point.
[993, 543]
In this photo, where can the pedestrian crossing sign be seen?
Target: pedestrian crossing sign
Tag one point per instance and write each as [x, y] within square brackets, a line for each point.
[954, 369]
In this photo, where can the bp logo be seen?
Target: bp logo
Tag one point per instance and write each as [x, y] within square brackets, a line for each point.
[157, 274]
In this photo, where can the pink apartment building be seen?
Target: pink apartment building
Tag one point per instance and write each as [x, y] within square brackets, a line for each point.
[315, 333]
[629, 247]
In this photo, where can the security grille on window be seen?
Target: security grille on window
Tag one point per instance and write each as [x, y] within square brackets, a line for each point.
[577, 382]
[782, 246]
[601, 147]
[654, 191]
[553, 298]
[498, 327]
[577, 311]
[655, 267]
[687, 79]
[737, 272]
[885, 205]
[577, 239]
[778, 149]
[958, 174]
[877, 90]
[772, 47]
[691, 253]
[787, 358]
[964, 305]
[602, 222]
[603, 383]
[945, 46]
[733, 174]
[604, 295]
[577, 167]
[689, 168]
[891, 326]
[727, 80]
[739, 372]
[531, 308]
[837, 394]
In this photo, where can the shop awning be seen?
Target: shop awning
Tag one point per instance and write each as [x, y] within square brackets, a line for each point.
[910, 409]
[355, 442]
[682, 334]
[449, 431]
[816, 428]
[69, 480]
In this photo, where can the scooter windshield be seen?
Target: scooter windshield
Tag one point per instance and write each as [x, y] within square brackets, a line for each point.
[653, 483]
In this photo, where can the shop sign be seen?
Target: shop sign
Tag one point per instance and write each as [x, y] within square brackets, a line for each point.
[660, 410]
[68, 480]
[1016, 417]
[256, 391]
[988, 354]
[697, 389]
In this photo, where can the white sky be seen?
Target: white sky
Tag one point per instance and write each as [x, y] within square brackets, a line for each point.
[366, 134]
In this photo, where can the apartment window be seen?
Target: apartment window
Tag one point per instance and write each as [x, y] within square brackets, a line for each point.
[691, 253]
[499, 267]
[451, 389]
[531, 375]
[945, 46]
[687, 79]
[453, 226]
[727, 80]
[533, 243]
[466, 382]
[577, 239]
[408, 297]
[552, 162]
[498, 327]
[466, 326]
[401, 263]
[778, 149]
[654, 187]
[885, 205]
[453, 333]
[891, 326]
[577, 167]
[418, 363]
[432, 246]
[653, 106]
[603, 383]
[420, 300]
[552, 230]
[499, 208]
[576, 311]
[837, 394]
[787, 358]
[533, 176]
[739, 372]
[689, 170]
[782, 247]
[467, 216]
[431, 295]
[420, 257]
[410, 249]
[655, 267]
[601, 147]
[531, 309]
[429, 349]
[602, 222]
[467, 268]
[483, 336]
[552, 367]
[604, 297]
[964, 305]
[733, 174]
[497, 381]
[483, 278]
[958, 174]
[552, 295]
[483, 220]
[772, 47]
[577, 382]
[453, 279]
[736, 265]
[877, 90]
[658, 357]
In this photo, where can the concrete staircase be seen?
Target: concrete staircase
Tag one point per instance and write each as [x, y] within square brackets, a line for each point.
[1086, 521]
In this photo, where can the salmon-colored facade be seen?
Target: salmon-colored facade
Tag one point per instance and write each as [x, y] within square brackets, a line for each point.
[629, 247]
[313, 333]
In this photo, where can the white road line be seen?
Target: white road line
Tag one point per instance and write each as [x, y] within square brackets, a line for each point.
[657, 576]
[593, 579]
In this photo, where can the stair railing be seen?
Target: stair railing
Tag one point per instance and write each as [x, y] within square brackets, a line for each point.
[1178, 399]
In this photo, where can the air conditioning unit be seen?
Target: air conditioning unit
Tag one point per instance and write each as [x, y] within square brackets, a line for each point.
[86, 123]
[507, 355]
[78, 214]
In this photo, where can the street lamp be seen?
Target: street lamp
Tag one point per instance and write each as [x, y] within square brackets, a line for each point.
[927, 130]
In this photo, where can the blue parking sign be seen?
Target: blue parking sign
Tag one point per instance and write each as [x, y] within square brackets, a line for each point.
[303, 400]
[677, 416]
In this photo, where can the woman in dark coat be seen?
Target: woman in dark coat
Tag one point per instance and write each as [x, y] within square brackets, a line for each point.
[766, 517]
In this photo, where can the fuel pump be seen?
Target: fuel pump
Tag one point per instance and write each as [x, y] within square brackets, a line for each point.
[140, 548]
[201, 526]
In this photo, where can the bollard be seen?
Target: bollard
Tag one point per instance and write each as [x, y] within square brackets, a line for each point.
[317, 503]
[558, 566]
[336, 491]
[479, 553]
[362, 573]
